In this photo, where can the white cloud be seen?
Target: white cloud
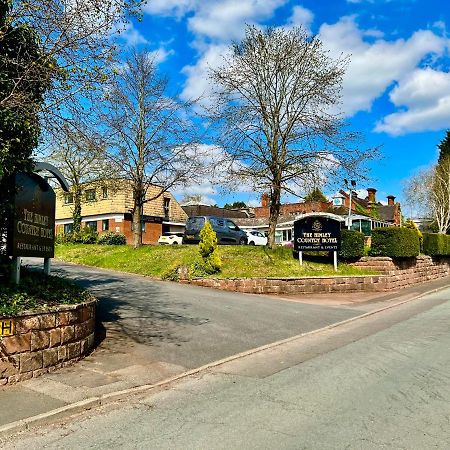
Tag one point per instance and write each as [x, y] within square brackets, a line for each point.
[301, 17]
[425, 93]
[375, 66]
[160, 55]
[131, 36]
[225, 20]
[176, 8]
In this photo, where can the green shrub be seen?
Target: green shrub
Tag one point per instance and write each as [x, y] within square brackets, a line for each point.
[111, 238]
[352, 244]
[412, 226]
[396, 242]
[210, 260]
[84, 236]
[435, 244]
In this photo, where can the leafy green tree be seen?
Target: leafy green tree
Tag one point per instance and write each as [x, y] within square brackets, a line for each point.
[207, 248]
[19, 103]
[444, 147]
[235, 205]
[316, 195]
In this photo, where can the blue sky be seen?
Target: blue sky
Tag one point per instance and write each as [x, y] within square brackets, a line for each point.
[396, 89]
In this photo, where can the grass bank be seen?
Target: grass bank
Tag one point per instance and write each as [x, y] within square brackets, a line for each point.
[37, 291]
[162, 261]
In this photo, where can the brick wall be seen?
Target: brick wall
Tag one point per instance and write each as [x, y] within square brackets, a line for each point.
[45, 341]
[394, 275]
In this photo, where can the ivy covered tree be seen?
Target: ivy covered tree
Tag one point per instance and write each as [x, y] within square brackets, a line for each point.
[20, 59]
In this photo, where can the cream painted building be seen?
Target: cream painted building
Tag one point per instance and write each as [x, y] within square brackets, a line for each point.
[108, 207]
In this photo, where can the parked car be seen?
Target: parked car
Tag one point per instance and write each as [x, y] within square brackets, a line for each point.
[227, 231]
[171, 238]
[256, 237]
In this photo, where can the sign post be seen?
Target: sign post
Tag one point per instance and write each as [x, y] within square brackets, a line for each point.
[316, 233]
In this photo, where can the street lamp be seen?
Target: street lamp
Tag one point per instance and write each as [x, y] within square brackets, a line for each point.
[350, 188]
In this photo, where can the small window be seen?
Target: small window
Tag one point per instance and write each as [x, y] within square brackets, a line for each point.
[143, 227]
[105, 225]
[68, 199]
[104, 192]
[90, 195]
[92, 225]
[231, 225]
[166, 206]
[68, 228]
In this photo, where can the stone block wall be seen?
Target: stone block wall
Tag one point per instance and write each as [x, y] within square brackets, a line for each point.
[45, 341]
[393, 275]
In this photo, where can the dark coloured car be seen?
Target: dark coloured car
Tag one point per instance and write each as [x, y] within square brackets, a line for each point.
[227, 231]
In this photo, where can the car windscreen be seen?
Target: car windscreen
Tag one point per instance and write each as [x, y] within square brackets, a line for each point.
[195, 223]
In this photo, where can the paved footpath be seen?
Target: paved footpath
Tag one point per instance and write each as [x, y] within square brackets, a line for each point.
[153, 331]
[379, 382]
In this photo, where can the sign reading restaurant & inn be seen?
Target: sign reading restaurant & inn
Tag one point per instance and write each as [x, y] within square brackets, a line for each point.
[32, 228]
[317, 233]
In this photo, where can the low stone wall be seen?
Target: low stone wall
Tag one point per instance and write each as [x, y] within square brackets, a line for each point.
[44, 341]
[393, 275]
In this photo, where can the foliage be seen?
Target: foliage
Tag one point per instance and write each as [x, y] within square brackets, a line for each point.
[409, 223]
[38, 291]
[84, 236]
[316, 195]
[111, 238]
[352, 244]
[278, 93]
[396, 242]
[151, 140]
[163, 261]
[235, 205]
[21, 95]
[444, 147]
[207, 248]
[436, 244]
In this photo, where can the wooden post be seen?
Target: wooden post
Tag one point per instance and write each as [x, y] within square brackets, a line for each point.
[47, 264]
[15, 270]
[335, 261]
[300, 258]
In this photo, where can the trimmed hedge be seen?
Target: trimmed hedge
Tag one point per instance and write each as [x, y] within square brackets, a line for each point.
[111, 238]
[396, 242]
[352, 244]
[435, 244]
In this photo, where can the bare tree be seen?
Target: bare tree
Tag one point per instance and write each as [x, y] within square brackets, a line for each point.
[277, 98]
[428, 193]
[151, 140]
[80, 154]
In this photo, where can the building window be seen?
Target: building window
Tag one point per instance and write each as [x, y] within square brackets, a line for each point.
[68, 199]
[68, 228]
[166, 206]
[105, 225]
[104, 192]
[90, 195]
[92, 225]
[143, 227]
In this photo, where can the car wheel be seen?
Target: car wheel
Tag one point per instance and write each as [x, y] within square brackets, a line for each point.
[175, 243]
[242, 241]
[251, 243]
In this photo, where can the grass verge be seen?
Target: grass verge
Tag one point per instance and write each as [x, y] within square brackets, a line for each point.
[161, 261]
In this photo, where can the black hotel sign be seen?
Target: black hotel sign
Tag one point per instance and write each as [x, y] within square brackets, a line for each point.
[317, 233]
[32, 228]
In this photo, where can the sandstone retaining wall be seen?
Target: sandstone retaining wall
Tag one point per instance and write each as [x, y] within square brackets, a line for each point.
[44, 341]
[394, 275]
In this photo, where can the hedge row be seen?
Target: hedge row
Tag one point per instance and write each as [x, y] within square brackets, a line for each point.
[87, 236]
[352, 244]
[396, 242]
[436, 244]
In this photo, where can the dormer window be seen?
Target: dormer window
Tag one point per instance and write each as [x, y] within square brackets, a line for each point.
[104, 192]
[166, 206]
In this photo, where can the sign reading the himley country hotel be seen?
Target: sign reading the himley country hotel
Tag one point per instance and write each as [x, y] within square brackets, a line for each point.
[32, 230]
[316, 233]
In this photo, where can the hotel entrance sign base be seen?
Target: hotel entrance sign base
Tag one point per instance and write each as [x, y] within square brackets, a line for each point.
[318, 233]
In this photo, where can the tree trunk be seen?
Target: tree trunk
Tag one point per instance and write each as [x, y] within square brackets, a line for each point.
[76, 215]
[275, 198]
[137, 227]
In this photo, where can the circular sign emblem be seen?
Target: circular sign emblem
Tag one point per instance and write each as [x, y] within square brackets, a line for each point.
[316, 226]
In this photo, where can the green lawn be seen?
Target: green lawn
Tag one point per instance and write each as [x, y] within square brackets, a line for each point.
[161, 261]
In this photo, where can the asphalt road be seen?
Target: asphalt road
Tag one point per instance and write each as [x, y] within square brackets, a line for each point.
[377, 383]
[190, 326]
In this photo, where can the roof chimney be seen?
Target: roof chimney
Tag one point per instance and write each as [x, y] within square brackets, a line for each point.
[391, 200]
[265, 200]
[371, 195]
